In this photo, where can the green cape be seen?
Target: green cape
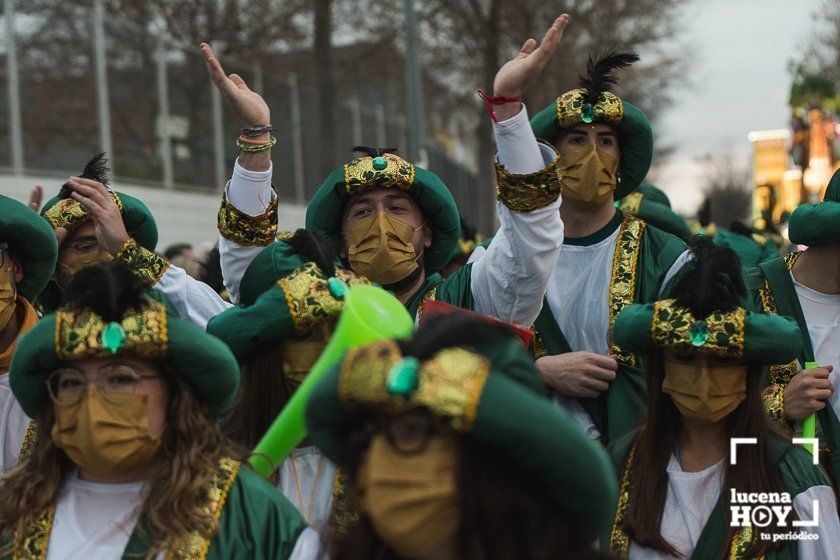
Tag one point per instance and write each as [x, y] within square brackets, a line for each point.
[652, 205]
[30, 240]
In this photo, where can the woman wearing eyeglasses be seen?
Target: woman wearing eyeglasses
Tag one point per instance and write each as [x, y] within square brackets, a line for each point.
[456, 452]
[704, 478]
[130, 461]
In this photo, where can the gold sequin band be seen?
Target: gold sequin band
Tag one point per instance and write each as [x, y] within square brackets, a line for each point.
[672, 324]
[538, 347]
[67, 213]
[28, 440]
[449, 384]
[623, 279]
[524, 193]
[146, 265]
[78, 334]
[364, 173]
[608, 109]
[774, 403]
[247, 230]
[309, 298]
[631, 203]
[430, 295]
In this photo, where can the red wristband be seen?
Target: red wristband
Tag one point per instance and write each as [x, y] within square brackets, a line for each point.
[496, 100]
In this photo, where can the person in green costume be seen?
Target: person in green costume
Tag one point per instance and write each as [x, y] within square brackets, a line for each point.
[95, 224]
[805, 285]
[683, 476]
[277, 340]
[456, 453]
[650, 204]
[28, 253]
[398, 222]
[130, 462]
[752, 248]
[609, 260]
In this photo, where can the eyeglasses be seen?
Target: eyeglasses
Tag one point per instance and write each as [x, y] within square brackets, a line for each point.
[66, 385]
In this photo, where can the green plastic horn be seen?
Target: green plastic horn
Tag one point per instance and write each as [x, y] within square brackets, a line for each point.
[369, 314]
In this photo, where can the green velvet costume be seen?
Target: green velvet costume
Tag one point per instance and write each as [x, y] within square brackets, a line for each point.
[752, 250]
[652, 205]
[254, 520]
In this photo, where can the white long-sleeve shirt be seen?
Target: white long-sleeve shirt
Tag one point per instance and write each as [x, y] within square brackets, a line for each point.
[508, 282]
[193, 300]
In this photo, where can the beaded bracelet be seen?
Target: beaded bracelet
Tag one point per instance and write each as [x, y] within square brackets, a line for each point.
[256, 130]
[255, 148]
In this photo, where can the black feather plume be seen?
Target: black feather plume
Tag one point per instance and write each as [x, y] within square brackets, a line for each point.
[96, 169]
[600, 75]
[109, 290]
[317, 247]
[711, 281]
[373, 152]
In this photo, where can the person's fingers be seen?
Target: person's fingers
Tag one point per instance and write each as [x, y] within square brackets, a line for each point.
[527, 48]
[818, 373]
[239, 82]
[595, 384]
[92, 190]
[829, 368]
[551, 39]
[35, 197]
[822, 394]
[60, 235]
[822, 384]
[606, 362]
[588, 393]
[93, 209]
[217, 73]
[816, 406]
[600, 373]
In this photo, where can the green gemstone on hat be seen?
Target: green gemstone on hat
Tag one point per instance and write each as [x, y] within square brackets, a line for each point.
[698, 333]
[587, 113]
[337, 287]
[403, 377]
[113, 336]
[380, 163]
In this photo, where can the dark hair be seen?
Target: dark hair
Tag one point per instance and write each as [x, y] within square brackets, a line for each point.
[755, 471]
[317, 247]
[175, 250]
[108, 289]
[211, 269]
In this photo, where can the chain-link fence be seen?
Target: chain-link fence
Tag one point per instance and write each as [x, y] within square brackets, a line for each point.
[97, 83]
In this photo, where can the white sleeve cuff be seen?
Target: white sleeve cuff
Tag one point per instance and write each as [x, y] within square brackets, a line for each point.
[250, 191]
[519, 151]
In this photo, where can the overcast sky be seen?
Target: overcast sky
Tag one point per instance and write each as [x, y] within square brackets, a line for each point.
[741, 50]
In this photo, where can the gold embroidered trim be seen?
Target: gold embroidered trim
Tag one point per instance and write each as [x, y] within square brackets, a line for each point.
[345, 510]
[538, 347]
[524, 193]
[360, 176]
[449, 384]
[68, 214]
[146, 265]
[28, 441]
[671, 328]
[430, 295]
[79, 334]
[309, 298]
[774, 401]
[31, 543]
[608, 109]
[623, 279]
[195, 546]
[247, 230]
[620, 542]
[283, 235]
[631, 203]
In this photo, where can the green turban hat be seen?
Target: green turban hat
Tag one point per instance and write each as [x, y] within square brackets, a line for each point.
[30, 240]
[818, 224]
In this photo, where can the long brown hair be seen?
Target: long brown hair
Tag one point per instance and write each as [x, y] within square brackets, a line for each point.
[189, 457]
[504, 515]
[755, 472]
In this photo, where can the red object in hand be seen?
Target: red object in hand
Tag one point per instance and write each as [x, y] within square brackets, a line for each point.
[434, 309]
[489, 101]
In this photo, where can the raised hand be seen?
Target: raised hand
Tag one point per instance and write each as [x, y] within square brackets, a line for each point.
[250, 107]
[103, 211]
[514, 77]
[36, 196]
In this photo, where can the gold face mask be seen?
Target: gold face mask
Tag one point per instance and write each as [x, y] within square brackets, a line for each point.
[105, 439]
[412, 500]
[8, 294]
[587, 175]
[381, 248]
[66, 271]
[702, 393]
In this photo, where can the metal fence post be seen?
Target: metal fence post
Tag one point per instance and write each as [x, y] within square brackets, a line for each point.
[165, 143]
[15, 131]
[356, 119]
[218, 136]
[379, 116]
[103, 106]
[413, 85]
[297, 138]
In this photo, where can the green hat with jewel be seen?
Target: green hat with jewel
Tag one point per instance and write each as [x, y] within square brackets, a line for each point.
[382, 169]
[31, 241]
[652, 205]
[306, 286]
[108, 314]
[487, 390]
[593, 102]
[818, 224]
[706, 315]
